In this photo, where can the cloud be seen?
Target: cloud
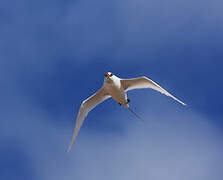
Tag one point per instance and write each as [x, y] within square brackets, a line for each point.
[45, 46]
[189, 149]
[180, 145]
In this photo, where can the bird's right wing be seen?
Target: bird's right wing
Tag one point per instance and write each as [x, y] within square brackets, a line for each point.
[144, 82]
[86, 106]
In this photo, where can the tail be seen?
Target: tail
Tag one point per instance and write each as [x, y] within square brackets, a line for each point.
[135, 114]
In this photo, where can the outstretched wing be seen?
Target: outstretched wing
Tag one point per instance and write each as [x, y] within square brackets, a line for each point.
[86, 106]
[144, 82]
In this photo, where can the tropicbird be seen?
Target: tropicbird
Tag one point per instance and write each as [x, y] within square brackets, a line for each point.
[116, 88]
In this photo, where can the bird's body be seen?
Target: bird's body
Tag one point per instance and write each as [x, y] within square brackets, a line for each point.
[116, 88]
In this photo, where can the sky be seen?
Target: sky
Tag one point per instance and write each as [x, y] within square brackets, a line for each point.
[54, 54]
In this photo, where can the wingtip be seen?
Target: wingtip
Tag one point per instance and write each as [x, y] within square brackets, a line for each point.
[69, 147]
[181, 102]
[68, 150]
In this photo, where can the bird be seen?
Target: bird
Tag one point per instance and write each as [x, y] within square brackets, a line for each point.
[116, 88]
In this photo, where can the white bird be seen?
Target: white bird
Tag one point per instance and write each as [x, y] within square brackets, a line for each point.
[116, 88]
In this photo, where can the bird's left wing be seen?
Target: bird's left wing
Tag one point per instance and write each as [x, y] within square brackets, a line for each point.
[144, 82]
[86, 106]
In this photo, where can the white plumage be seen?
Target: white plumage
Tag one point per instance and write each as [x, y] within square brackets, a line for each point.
[116, 88]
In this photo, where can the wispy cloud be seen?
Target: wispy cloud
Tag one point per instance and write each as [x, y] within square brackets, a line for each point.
[45, 46]
[182, 145]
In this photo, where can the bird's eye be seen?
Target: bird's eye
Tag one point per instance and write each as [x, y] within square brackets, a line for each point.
[111, 75]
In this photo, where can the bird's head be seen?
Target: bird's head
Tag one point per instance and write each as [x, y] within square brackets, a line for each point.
[109, 78]
[108, 74]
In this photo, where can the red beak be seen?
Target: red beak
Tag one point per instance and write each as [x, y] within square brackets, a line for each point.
[106, 74]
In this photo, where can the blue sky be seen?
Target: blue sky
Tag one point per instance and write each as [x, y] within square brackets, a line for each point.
[53, 55]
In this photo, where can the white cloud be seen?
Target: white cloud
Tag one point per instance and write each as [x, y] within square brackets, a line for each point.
[170, 145]
[180, 145]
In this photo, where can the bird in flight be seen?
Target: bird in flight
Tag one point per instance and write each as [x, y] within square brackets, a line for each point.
[116, 88]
